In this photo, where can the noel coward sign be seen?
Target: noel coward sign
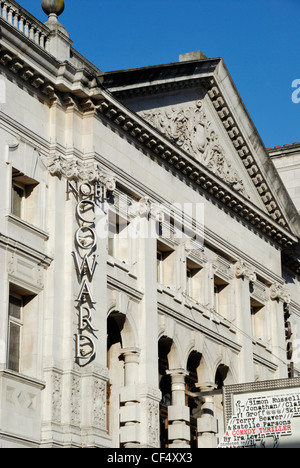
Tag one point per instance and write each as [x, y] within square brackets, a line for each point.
[89, 199]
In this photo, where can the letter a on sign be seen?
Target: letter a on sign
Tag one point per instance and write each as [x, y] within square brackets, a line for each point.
[85, 294]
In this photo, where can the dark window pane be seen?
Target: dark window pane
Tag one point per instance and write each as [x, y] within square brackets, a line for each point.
[14, 347]
[17, 197]
[15, 307]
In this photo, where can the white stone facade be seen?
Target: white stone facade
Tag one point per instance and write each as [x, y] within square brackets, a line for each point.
[287, 162]
[147, 248]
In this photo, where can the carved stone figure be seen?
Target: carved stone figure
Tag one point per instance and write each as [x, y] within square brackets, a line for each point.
[190, 130]
[187, 127]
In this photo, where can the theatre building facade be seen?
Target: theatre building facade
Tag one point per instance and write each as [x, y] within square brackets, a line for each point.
[148, 247]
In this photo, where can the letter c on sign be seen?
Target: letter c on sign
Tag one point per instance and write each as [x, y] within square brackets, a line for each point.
[82, 204]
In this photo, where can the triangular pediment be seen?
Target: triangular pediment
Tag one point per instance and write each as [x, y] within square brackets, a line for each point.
[193, 126]
[196, 107]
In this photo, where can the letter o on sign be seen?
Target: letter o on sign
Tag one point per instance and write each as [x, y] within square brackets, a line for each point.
[86, 238]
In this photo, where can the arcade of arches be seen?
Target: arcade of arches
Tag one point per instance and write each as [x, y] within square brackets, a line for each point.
[176, 417]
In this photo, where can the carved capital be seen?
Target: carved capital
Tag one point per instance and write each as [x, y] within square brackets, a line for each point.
[74, 169]
[243, 271]
[278, 292]
[146, 208]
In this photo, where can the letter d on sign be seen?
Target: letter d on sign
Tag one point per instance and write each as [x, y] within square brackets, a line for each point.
[296, 94]
[85, 347]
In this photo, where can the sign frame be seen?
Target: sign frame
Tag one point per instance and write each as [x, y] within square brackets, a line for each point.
[231, 392]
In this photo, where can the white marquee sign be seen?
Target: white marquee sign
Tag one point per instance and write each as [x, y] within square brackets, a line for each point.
[262, 415]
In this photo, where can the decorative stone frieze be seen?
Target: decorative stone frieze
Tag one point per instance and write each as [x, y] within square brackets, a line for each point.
[99, 402]
[190, 129]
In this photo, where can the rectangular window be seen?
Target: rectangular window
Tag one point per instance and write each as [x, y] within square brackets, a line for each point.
[217, 291]
[159, 267]
[15, 332]
[193, 280]
[18, 197]
[165, 265]
[189, 277]
[221, 297]
[119, 238]
[259, 324]
[24, 197]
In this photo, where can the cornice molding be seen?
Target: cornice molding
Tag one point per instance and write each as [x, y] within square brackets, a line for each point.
[243, 150]
[15, 246]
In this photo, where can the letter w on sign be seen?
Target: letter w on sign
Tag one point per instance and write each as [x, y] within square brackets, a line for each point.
[85, 268]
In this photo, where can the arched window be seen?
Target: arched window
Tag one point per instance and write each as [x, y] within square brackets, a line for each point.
[164, 347]
[193, 404]
[115, 325]
[222, 376]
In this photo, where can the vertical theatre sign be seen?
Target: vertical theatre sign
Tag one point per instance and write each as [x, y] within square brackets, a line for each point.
[89, 200]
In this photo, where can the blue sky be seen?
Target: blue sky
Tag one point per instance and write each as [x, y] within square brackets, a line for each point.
[258, 40]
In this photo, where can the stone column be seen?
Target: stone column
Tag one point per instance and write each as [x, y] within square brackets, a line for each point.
[178, 413]
[279, 299]
[150, 395]
[130, 400]
[244, 275]
[207, 424]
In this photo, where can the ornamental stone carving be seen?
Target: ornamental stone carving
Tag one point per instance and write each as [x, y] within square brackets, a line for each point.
[279, 292]
[153, 423]
[190, 129]
[243, 271]
[75, 402]
[73, 169]
[145, 208]
[99, 398]
[56, 397]
[187, 127]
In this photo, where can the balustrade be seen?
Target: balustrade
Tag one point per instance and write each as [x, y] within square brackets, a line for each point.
[11, 12]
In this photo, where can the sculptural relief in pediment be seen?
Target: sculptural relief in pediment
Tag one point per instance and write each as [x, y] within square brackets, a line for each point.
[190, 129]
